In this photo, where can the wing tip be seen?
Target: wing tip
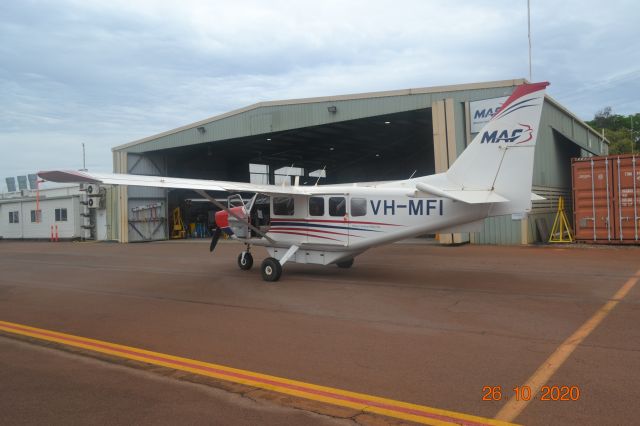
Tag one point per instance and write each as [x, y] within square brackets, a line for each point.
[67, 176]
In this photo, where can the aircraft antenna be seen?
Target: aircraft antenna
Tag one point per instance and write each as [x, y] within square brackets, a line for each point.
[412, 174]
[529, 34]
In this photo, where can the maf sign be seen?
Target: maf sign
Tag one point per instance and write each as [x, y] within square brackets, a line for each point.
[482, 111]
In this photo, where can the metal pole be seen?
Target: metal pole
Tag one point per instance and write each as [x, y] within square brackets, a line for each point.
[84, 167]
[529, 34]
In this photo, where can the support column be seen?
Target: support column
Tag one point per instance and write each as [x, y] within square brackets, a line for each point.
[122, 215]
[444, 150]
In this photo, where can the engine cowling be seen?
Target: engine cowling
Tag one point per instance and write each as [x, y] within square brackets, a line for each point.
[229, 224]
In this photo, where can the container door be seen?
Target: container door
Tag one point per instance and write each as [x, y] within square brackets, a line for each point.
[627, 184]
[593, 199]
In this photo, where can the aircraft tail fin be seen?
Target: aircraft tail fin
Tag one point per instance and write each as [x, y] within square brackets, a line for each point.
[499, 160]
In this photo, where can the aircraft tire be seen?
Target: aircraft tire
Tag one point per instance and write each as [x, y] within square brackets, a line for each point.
[246, 263]
[271, 269]
[345, 263]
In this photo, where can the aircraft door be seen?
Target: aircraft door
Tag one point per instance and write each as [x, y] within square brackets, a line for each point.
[338, 223]
[357, 211]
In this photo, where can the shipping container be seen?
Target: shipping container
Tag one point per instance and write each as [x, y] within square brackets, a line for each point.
[606, 199]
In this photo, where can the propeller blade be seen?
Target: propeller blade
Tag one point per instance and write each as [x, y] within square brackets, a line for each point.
[215, 238]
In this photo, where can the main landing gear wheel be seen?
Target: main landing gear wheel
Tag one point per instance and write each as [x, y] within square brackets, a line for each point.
[345, 263]
[245, 262]
[271, 269]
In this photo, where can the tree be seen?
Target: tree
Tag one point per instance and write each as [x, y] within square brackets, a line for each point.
[623, 132]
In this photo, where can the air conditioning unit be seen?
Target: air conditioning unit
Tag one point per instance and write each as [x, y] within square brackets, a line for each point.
[94, 202]
[92, 189]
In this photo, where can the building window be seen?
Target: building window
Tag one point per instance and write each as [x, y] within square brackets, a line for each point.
[14, 217]
[283, 206]
[358, 206]
[36, 216]
[316, 206]
[337, 206]
[259, 174]
[61, 215]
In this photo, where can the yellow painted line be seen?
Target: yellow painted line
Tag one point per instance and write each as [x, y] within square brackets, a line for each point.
[358, 401]
[514, 407]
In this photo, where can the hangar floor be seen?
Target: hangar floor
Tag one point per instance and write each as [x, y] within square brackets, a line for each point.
[424, 324]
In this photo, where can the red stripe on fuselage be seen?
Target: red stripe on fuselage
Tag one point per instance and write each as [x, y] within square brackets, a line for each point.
[283, 228]
[300, 233]
[334, 221]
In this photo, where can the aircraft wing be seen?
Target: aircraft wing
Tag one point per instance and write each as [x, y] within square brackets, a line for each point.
[72, 176]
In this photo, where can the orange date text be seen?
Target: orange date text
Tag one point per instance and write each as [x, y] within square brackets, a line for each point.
[524, 393]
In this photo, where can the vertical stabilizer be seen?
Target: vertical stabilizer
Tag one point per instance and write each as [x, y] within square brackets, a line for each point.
[500, 157]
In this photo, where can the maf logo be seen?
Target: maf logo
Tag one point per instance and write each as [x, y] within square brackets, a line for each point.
[519, 135]
[486, 113]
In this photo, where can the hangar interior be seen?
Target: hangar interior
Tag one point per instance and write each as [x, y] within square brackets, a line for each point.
[350, 138]
[348, 151]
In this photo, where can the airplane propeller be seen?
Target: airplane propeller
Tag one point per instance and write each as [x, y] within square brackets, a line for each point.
[215, 238]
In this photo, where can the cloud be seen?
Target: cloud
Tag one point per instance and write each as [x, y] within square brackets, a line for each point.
[109, 72]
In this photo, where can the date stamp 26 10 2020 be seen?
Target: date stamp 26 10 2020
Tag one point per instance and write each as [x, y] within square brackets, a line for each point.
[524, 393]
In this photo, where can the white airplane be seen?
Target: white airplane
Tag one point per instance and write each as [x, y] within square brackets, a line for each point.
[332, 224]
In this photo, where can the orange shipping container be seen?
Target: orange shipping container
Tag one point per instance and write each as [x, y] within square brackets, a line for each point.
[606, 199]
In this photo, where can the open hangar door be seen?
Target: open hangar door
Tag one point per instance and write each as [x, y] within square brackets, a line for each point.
[387, 147]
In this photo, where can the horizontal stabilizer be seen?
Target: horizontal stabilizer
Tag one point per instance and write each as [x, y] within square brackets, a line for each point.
[466, 196]
[536, 197]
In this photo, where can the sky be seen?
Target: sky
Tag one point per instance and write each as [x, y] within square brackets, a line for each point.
[105, 73]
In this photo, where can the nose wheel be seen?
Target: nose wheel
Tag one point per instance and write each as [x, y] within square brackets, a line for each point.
[245, 260]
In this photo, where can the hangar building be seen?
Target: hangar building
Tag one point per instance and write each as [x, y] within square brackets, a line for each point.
[349, 138]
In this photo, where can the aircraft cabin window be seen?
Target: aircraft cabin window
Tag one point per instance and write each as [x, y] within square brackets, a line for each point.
[283, 206]
[316, 206]
[337, 206]
[358, 206]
